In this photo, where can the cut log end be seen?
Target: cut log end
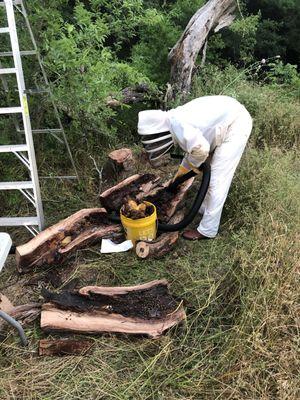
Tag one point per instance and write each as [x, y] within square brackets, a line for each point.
[122, 159]
[142, 249]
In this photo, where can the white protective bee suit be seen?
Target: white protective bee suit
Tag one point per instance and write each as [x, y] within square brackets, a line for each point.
[210, 124]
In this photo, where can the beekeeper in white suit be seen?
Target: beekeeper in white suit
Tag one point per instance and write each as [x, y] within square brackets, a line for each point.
[212, 125]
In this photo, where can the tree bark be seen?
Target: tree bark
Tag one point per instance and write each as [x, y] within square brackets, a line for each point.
[54, 244]
[215, 14]
[146, 309]
[163, 244]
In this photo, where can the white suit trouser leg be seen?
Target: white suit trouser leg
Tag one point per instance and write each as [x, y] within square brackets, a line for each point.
[223, 165]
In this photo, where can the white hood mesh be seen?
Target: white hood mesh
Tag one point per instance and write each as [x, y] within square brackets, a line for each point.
[153, 121]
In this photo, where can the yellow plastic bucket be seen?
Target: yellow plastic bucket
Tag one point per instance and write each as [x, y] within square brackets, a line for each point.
[140, 229]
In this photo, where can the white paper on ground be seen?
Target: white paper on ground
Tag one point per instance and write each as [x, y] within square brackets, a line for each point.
[107, 246]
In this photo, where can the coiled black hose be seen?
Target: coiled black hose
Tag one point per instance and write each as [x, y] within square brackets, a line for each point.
[205, 168]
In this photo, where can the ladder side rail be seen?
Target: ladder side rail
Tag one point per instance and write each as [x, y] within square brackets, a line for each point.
[25, 111]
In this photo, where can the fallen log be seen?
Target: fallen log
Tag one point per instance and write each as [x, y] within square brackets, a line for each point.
[54, 244]
[146, 309]
[62, 347]
[163, 244]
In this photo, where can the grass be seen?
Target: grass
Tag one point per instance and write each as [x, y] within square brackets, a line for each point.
[241, 291]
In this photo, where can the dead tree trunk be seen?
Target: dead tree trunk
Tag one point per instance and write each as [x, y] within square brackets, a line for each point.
[215, 14]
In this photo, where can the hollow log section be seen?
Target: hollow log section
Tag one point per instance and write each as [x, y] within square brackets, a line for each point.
[146, 309]
[146, 187]
[163, 244]
[215, 14]
[62, 347]
[53, 245]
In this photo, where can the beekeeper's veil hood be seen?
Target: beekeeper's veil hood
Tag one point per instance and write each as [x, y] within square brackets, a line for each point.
[154, 127]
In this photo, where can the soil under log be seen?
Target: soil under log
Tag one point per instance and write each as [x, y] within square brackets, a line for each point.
[153, 303]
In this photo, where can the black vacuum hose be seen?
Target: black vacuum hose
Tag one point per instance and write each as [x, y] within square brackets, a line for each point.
[205, 168]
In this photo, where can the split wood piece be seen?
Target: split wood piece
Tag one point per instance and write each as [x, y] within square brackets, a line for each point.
[163, 244]
[146, 309]
[62, 347]
[136, 186]
[24, 313]
[56, 243]
[215, 14]
[122, 159]
[167, 203]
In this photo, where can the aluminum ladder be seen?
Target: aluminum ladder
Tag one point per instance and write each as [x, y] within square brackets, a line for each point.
[25, 152]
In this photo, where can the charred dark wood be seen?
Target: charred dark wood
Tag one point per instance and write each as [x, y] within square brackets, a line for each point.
[56, 243]
[168, 202]
[146, 309]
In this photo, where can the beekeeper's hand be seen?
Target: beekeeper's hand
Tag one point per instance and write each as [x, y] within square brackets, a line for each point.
[184, 168]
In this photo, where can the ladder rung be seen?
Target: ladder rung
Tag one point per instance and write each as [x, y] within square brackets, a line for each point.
[16, 185]
[10, 110]
[4, 30]
[15, 3]
[17, 221]
[36, 91]
[23, 53]
[5, 71]
[42, 130]
[10, 148]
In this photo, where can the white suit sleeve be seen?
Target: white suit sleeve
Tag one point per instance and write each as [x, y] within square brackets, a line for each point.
[196, 146]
